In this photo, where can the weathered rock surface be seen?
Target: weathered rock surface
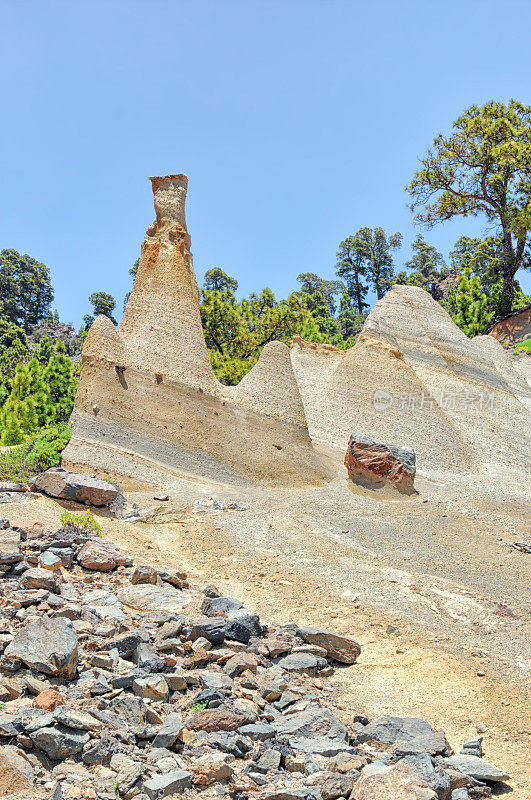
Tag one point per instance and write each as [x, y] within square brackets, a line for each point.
[340, 648]
[155, 598]
[59, 742]
[414, 378]
[313, 723]
[75, 486]
[375, 466]
[47, 645]
[389, 730]
[101, 555]
[174, 782]
[476, 767]
[156, 365]
[401, 782]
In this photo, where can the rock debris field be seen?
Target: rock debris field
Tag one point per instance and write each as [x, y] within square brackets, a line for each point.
[121, 680]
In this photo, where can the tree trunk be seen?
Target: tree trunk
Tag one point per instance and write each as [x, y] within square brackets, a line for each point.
[509, 269]
[507, 296]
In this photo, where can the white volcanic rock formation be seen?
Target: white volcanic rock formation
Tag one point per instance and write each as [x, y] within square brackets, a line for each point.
[414, 379]
[148, 401]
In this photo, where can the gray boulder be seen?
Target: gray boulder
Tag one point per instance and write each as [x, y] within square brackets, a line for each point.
[476, 768]
[389, 730]
[59, 742]
[170, 731]
[302, 662]
[312, 723]
[147, 597]
[434, 776]
[433, 743]
[174, 782]
[214, 606]
[48, 645]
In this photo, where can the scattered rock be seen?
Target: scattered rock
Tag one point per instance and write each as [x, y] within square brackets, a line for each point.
[48, 700]
[153, 598]
[144, 574]
[174, 782]
[37, 578]
[476, 767]
[217, 719]
[340, 648]
[48, 645]
[75, 486]
[401, 782]
[312, 723]
[59, 742]
[101, 555]
[389, 730]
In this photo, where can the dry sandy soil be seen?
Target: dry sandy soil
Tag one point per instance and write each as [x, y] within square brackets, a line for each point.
[439, 567]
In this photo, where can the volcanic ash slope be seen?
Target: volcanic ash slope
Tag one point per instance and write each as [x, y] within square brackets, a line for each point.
[414, 379]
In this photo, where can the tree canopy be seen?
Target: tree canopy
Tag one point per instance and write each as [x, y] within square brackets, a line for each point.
[25, 289]
[483, 168]
[426, 264]
[217, 280]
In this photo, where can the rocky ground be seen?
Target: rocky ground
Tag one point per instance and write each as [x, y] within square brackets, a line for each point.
[120, 679]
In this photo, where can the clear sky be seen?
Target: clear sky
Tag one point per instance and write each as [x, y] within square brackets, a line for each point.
[296, 121]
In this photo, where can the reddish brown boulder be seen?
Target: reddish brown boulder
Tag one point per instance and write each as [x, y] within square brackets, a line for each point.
[215, 719]
[28, 530]
[75, 486]
[103, 556]
[48, 700]
[375, 466]
[341, 648]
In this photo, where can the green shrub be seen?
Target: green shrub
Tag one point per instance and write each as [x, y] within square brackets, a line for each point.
[47, 447]
[198, 707]
[85, 522]
[37, 453]
[13, 464]
[523, 347]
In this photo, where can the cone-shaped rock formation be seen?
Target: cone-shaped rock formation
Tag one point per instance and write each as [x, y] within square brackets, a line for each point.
[148, 401]
[414, 379]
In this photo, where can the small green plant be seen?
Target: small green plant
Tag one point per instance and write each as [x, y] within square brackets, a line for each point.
[13, 464]
[85, 522]
[37, 453]
[197, 707]
[523, 347]
[47, 446]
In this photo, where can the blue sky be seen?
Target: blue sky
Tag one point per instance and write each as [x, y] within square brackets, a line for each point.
[296, 121]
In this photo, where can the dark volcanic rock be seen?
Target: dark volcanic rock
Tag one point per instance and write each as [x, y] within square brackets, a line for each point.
[59, 742]
[47, 645]
[389, 730]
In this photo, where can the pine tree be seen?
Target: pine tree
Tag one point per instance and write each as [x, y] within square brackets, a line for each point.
[60, 383]
[44, 350]
[470, 304]
[18, 416]
[40, 392]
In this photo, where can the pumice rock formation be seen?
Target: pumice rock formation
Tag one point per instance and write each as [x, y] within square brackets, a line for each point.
[148, 402]
[413, 378]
